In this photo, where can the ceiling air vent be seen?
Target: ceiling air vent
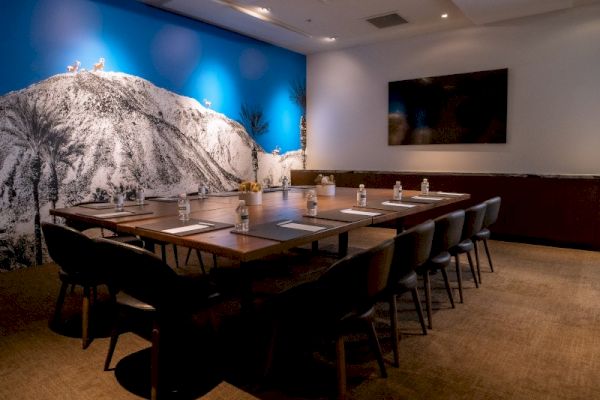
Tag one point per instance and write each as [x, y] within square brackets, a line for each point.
[387, 20]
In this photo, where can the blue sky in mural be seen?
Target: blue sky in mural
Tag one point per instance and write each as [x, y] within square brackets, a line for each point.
[40, 38]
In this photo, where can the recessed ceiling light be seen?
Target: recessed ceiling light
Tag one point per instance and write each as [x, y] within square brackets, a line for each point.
[445, 15]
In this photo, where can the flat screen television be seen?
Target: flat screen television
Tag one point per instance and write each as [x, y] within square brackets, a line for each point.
[460, 108]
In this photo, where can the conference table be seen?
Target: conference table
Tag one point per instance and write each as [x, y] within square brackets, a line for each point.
[278, 224]
[277, 207]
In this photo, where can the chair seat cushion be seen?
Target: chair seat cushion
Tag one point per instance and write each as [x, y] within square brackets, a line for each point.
[126, 300]
[81, 278]
[129, 239]
[405, 283]
[463, 247]
[440, 261]
[482, 234]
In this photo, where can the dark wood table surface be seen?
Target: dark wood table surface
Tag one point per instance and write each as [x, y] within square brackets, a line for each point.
[275, 207]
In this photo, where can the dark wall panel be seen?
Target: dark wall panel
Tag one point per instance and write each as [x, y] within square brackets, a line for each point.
[555, 210]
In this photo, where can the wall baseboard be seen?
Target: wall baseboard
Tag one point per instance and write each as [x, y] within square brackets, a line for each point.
[557, 210]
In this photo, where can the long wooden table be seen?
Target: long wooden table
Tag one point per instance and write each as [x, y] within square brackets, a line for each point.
[276, 207]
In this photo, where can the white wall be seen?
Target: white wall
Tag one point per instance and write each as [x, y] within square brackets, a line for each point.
[553, 98]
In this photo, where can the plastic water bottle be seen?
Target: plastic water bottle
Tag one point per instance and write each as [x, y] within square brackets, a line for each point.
[119, 201]
[311, 204]
[183, 207]
[242, 223]
[425, 186]
[140, 196]
[285, 183]
[202, 191]
[397, 191]
[361, 196]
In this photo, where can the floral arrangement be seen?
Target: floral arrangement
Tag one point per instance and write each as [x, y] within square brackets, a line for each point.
[248, 186]
[325, 180]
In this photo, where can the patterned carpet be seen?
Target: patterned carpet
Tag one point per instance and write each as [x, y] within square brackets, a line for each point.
[532, 331]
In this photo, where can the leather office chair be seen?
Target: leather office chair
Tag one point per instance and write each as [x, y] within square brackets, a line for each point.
[448, 230]
[75, 254]
[146, 284]
[473, 223]
[411, 250]
[492, 209]
[340, 301]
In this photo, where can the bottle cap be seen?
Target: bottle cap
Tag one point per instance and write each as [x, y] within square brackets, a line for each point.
[361, 186]
[242, 203]
[397, 182]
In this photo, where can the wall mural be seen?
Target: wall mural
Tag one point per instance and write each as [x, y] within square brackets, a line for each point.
[82, 135]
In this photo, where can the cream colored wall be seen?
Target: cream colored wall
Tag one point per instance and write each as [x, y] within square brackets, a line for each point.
[553, 98]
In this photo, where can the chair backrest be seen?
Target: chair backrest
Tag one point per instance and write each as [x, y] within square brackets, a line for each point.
[73, 251]
[357, 281]
[412, 249]
[139, 273]
[473, 220]
[448, 231]
[491, 211]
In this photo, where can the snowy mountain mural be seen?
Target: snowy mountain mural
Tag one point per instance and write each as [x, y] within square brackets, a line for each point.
[78, 137]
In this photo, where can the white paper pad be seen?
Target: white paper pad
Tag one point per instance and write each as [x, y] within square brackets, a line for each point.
[389, 203]
[427, 198]
[450, 194]
[98, 206]
[114, 214]
[311, 228]
[367, 213]
[185, 228]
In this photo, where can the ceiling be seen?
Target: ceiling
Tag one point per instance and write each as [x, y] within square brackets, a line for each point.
[307, 26]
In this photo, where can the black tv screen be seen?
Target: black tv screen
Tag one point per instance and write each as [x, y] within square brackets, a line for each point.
[460, 108]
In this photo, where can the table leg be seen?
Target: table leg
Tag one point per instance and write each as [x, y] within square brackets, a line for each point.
[246, 295]
[343, 244]
[399, 225]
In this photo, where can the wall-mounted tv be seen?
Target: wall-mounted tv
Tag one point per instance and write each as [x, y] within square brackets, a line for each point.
[460, 108]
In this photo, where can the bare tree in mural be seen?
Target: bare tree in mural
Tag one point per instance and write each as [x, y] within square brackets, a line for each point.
[60, 151]
[31, 128]
[252, 118]
[298, 96]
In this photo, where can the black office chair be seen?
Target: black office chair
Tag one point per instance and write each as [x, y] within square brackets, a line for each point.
[149, 286]
[473, 223]
[492, 209]
[340, 301]
[75, 254]
[412, 250]
[448, 230]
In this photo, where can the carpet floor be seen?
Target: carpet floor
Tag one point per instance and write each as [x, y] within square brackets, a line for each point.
[531, 331]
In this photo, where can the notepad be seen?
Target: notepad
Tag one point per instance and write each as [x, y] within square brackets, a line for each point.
[295, 225]
[114, 214]
[97, 206]
[356, 212]
[450, 194]
[389, 203]
[165, 199]
[427, 198]
[186, 228]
